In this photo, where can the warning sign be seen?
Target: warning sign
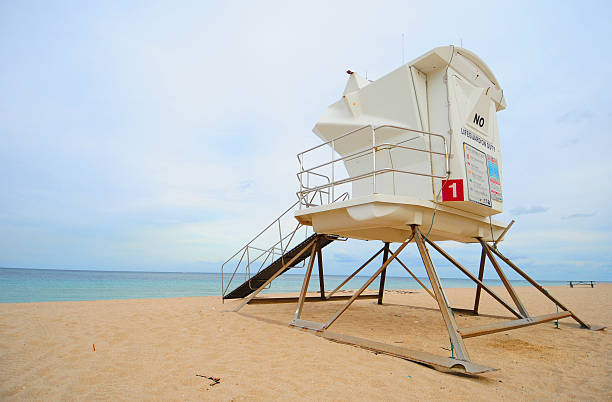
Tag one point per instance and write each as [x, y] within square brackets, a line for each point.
[494, 180]
[477, 175]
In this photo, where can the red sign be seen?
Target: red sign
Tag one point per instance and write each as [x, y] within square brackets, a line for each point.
[452, 190]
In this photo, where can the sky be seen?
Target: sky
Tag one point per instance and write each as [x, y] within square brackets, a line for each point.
[162, 136]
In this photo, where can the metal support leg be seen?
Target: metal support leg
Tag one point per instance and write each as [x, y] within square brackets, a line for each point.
[472, 277]
[321, 279]
[447, 313]
[300, 306]
[383, 275]
[480, 277]
[538, 286]
[502, 276]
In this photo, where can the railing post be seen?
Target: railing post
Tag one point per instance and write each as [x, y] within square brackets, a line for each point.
[280, 234]
[446, 156]
[248, 273]
[333, 197]
[301, 160]
[373, 160]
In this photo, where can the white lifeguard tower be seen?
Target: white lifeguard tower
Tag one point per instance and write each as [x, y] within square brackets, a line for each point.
[422, 140]
[412, 156]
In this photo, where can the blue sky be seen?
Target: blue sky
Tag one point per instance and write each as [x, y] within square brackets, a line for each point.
[162, 135]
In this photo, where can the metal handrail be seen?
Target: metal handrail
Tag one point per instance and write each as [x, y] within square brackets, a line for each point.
[260, 233]
[272, 250]
[365, 152]
[244, 249]
[321, 175]
[372, 173]
[306, 189]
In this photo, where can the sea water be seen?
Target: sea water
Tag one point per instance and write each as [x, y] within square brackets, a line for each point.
[40, 285]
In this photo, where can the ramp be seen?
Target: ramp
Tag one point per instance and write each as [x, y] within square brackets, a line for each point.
[262, 276]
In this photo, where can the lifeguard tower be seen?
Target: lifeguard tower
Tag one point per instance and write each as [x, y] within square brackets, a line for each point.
[414, 156]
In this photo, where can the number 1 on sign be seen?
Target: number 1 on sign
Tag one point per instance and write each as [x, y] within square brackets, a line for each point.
[454, 187]
[452, 190]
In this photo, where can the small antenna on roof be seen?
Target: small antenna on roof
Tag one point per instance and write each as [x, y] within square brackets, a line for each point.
[461, 41]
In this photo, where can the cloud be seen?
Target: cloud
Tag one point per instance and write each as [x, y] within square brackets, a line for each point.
[528, 210]
[580, 215]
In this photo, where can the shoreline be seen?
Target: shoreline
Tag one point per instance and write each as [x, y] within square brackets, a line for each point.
[30, 286]
[293, 293]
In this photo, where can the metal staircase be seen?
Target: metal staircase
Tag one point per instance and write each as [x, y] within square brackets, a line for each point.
[252, 284]
[258, 261]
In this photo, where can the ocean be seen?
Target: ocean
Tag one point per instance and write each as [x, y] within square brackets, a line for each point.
[40, 285]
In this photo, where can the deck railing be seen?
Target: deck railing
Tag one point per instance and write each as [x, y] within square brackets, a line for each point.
[327, 189]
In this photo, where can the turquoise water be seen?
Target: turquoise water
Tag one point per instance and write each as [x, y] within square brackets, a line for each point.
[39, 285]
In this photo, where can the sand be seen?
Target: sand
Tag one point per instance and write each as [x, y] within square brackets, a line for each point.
[155, 348]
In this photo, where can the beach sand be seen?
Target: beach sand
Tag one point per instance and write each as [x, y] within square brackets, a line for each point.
[155, 348]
